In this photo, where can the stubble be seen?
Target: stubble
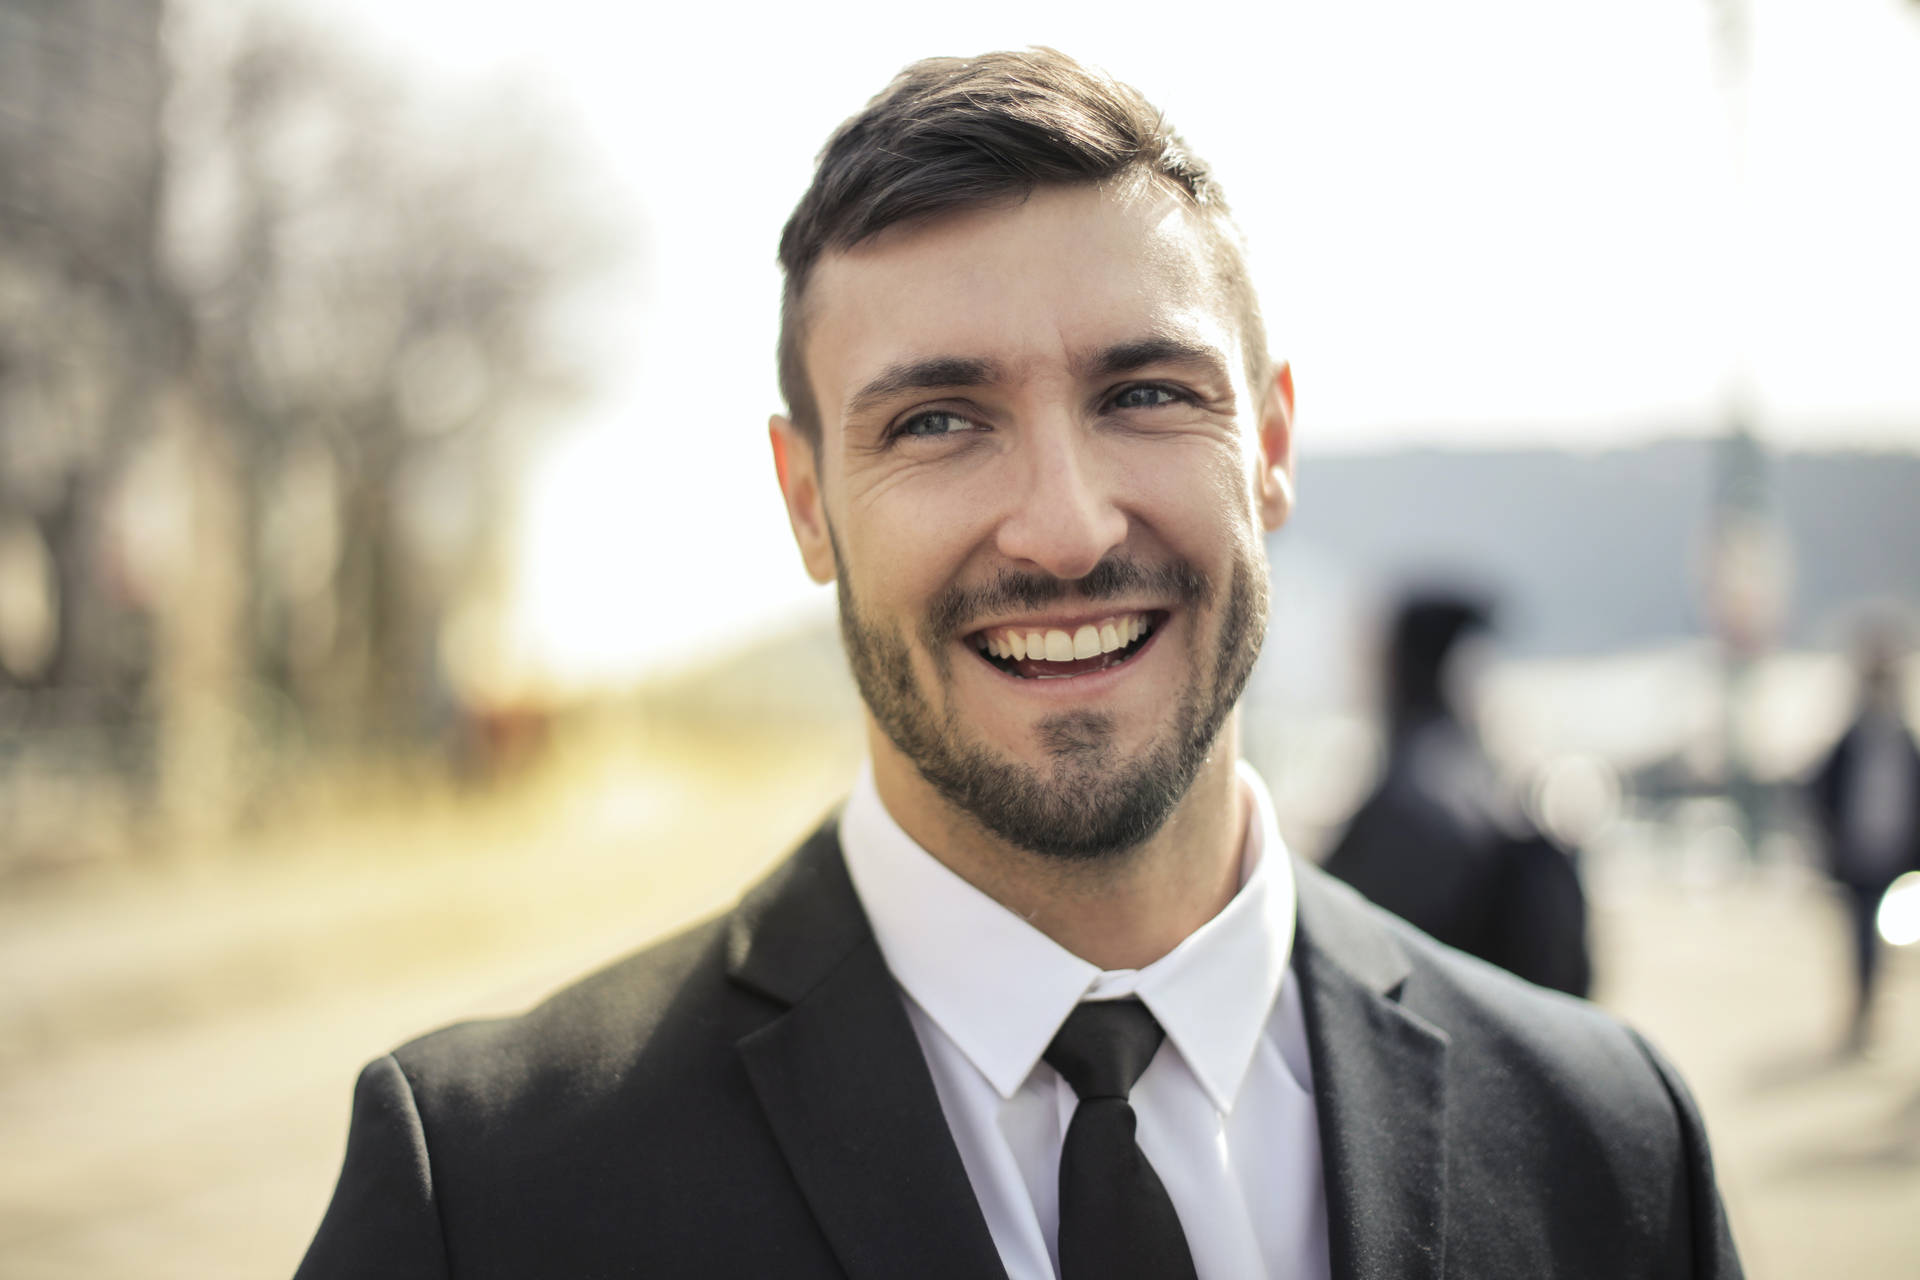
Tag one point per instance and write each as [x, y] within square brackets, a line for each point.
[1087, 802]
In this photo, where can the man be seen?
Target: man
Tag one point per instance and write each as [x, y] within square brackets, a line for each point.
[1049, 997]
[1866, 795]
[1438, 843]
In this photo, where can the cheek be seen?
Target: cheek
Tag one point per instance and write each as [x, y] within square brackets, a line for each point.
[917, 528]
[1198, 499]
[901, 555]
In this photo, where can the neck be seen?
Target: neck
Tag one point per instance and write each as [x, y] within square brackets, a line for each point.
[1119, 911]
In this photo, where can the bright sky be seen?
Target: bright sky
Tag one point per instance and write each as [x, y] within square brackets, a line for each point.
[1484, 221]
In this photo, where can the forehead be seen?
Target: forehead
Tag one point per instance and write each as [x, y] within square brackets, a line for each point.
[1027, 285]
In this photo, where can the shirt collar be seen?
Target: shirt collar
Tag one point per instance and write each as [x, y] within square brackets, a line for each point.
[1000, 989]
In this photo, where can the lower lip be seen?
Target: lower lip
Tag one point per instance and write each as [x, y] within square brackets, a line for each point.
[1085, 683]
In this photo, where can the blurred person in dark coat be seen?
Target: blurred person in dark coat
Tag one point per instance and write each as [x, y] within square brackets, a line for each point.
[1438, 843]
[1867, 797]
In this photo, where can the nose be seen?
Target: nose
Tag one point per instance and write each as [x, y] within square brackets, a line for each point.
[1063, 515]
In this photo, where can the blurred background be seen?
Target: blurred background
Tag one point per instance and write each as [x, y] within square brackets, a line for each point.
[397, 615]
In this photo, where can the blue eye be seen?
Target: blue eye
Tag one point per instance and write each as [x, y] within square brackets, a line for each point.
[938, 422]
[1144, 397]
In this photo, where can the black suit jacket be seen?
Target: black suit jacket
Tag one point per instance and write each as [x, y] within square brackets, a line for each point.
[748, 1099]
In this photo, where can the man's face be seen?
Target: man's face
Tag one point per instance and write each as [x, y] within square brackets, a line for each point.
[1041, 483]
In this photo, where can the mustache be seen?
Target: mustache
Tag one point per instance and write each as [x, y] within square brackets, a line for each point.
[1012, 589]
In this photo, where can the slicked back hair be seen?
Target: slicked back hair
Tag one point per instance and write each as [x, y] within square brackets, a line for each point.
[956, 133]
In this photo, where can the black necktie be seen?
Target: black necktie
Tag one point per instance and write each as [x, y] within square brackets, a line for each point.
[1116, 1221]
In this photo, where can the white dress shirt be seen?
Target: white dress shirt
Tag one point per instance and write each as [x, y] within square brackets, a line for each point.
[1226, 1107]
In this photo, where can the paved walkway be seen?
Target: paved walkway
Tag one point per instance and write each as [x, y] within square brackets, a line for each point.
[177, 1047]
[1742, 983]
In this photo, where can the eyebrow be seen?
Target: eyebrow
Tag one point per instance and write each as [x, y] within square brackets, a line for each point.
[1138, 353]
[922, 375]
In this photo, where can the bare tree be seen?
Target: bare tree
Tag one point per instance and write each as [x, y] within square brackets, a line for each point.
[371, 284]
[271, 321]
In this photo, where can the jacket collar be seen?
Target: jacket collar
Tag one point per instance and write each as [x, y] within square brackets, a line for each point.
[999, 988]
[846, 1089]
[1379, 1088]
[844, 1085]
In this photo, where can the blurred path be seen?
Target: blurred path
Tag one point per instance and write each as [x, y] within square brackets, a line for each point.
[1742, 983]
[177, 1050]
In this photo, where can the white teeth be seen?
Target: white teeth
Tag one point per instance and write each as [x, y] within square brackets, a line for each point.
[1089, 641]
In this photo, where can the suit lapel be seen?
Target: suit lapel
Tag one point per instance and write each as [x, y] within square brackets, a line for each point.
[844, 1084]
[1379, 1086]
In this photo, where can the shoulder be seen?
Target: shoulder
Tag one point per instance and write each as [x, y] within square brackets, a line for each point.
[1526, 1041]
[663, 1021]
[608, 1121]
[665, 1013]
[1518, 1056]
[1568, 1145]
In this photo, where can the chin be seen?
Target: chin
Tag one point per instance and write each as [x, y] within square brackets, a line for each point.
[1083, 796]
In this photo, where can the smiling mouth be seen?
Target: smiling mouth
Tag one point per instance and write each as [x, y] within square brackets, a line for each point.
[1040, 653]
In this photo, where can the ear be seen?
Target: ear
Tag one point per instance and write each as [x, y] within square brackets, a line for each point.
[1274, 488]
[796, 462]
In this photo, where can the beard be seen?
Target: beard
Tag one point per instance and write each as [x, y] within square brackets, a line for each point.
[1087, 802]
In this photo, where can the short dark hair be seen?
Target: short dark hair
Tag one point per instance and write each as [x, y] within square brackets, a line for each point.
[956, 133]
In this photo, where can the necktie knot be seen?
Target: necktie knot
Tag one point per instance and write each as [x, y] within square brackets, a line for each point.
[1104, 1046]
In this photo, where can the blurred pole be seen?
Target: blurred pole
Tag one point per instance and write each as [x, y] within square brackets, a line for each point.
[1747, 576]
[198, 646]
[1747, 559]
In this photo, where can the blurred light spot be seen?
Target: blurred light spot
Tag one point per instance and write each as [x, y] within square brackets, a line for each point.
[590, 598]
[1575, 797]
[29, 619]
[1713, 856]
[443, 382]
[153, 518]
[1899, 917]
